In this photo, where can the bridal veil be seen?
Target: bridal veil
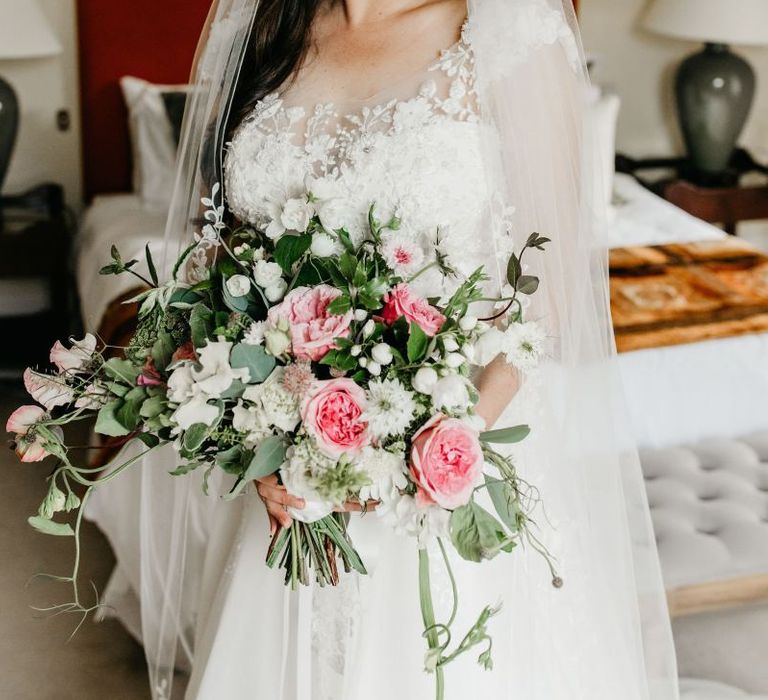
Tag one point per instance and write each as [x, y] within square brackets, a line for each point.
[605, 635]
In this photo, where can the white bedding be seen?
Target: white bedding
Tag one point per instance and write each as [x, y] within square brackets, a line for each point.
[675, 395]
[113, 219]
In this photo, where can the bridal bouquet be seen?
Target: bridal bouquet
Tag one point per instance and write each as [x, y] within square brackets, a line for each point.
[301, 352]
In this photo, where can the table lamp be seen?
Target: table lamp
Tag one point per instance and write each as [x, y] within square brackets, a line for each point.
[715, 88]
[24, 33]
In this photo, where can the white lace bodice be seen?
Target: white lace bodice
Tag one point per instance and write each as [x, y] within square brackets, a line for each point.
[417, 154]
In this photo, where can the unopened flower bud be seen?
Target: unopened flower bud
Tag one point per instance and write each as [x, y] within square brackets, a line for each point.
[468, 323]
[374, 368]
[356, 350]
[455, 360]
[382, 353]
[360, 315]
[369, 328]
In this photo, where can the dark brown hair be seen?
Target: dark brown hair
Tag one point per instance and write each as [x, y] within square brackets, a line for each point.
[278, 44]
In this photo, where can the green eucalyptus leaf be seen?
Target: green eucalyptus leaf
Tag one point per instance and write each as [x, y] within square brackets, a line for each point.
[255, 359]
[514, 271]
[504, 501]
[122, 370]
[268, 458]
[201, 324]
[149, 439]
[527, 284]
[506, 436]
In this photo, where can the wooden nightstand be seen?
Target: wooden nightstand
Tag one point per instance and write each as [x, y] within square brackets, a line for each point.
[36, 248]
[726, 203]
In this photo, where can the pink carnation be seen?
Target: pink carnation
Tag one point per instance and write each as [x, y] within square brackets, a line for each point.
[446, 461]
[401, 302]
[313, 330]
[332, 415]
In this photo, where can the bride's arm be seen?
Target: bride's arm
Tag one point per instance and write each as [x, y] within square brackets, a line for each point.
[498, 384]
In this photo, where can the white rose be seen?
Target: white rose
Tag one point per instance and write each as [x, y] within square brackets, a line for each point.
[297, 213]
[334, 214]
[382, 354]
[323, 246]
[238, 285]
[275, 292]
[424, 380]
[267, 273]
[450, 393]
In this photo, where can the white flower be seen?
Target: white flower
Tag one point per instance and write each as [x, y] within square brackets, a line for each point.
[181, 384]
[255, 333]
[238, 285]
[468, 323]
[275, 292]
[382, 353]
[267, 273]
[374, 368]
[450, 393]
[455, 360]
[424, 380]
[77, 357]
[196, 410]
[216, 374]
[305, 462]
[93, 397]
[334, 214]
[324, 246]
[390, 408]
[387, 472]
[489, 346]
[369, 328]
[251, 421]
[46, 390]
[278, 406]
[258, 253]
[297, 214]
[450, 344]
[360, 315]
[524, 344]
[277, 341]
[403, 254]
[238, 250]
[407, 517]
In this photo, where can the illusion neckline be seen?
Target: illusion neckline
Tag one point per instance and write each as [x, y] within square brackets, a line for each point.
[460, 44]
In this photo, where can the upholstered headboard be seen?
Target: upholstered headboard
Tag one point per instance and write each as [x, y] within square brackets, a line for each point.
[151, 39]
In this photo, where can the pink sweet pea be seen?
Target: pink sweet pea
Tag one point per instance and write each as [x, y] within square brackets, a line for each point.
[313, 330]
[29, 446]
[331, 414]
[446, 461]
[401, 302]
[77, 357]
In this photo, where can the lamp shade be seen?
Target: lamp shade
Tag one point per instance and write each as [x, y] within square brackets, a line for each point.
[25, 31]
[739, 22]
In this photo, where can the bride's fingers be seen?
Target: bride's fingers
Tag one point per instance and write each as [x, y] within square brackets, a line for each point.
[279, 495]
[357, 507]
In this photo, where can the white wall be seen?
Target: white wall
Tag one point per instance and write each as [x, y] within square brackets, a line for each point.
[45, 86]
[640, 67]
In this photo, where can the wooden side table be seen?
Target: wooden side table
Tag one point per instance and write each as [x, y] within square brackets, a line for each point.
[726, 203]
[36, 248]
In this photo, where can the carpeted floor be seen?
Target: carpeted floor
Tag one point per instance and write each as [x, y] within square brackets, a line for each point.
[36, 660]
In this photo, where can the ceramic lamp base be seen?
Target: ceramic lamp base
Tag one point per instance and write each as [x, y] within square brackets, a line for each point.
[715, 89]
[9, 125]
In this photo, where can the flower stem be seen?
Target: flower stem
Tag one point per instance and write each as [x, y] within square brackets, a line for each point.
[428, 617]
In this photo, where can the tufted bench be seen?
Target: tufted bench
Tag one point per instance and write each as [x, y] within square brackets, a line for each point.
[705, 690]
[709, 505]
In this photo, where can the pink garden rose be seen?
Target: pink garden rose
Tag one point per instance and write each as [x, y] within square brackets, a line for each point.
[446, 461]
[402, 302]
[313, 329]
[332, 415]
[29, 446]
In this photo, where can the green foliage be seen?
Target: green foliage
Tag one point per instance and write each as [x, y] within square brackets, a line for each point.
[506, 436]
[418, 342]
[107, 422]
[477, 535]
[504, 499]
[267, 459]
[49, 527]
[290, 249]
[255, 359]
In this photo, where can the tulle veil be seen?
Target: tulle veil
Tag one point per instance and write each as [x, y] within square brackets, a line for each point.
[609, 624]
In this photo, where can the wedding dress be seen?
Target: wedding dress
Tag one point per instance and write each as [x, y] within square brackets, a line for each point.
[473, 152]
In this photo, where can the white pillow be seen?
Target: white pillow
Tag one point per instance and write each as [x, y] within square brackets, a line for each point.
[152, 141]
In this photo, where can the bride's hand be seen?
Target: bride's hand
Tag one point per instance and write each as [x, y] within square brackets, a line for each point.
[277, 500]
[357, 507]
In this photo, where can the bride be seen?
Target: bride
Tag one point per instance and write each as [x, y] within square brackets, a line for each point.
[467, 119]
